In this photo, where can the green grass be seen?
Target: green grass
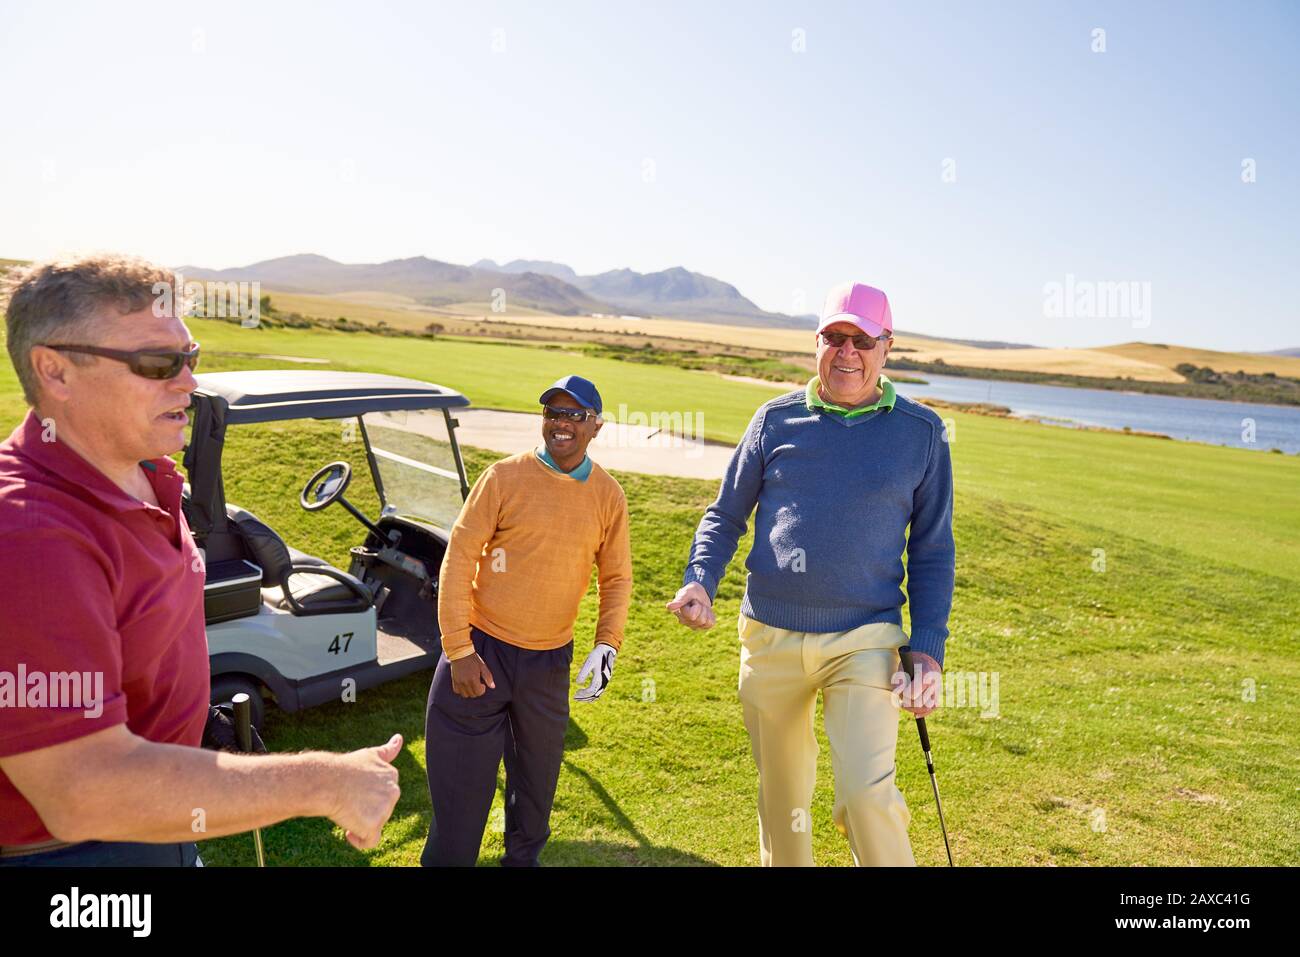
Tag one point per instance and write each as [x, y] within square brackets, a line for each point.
[499, 375]
[1121, 735]
[1118, 691]
[1208, 503]
[1215, 503]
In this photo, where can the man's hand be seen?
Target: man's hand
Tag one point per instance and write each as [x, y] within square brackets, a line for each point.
[918, 693]
[693, 607]
[599, 667]
[132, 789]
[367, 791]
[470, 676]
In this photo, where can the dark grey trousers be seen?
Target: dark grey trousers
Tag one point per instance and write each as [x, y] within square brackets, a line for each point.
[522, 720]
[111, 854]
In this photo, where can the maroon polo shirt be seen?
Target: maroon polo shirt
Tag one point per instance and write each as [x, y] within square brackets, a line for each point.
[97, 582]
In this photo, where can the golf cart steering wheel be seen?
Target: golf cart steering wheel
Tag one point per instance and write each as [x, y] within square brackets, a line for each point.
[326, 487]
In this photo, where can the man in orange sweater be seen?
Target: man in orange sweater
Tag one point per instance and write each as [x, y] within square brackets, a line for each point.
[516, 569]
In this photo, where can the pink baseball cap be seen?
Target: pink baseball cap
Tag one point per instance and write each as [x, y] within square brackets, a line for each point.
[864, 306]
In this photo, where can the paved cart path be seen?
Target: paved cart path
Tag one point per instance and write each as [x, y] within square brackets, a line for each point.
[628, 448]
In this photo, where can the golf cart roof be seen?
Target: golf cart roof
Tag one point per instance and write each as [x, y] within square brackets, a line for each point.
[275, 395]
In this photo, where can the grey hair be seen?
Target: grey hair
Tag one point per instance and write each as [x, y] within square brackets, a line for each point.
[59, 301]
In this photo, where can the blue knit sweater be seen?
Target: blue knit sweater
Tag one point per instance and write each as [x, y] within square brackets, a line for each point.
[835, 497]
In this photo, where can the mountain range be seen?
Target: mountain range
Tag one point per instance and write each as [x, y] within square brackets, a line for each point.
[675, 293]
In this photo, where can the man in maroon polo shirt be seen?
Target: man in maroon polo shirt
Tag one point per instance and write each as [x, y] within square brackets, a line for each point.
[103, 656]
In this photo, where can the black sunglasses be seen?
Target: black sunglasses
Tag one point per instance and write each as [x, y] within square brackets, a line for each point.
[150, 363]
[569, 415]
[864, 342]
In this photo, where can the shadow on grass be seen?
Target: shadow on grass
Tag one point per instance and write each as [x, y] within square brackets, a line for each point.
[314, 842]
[609, 853]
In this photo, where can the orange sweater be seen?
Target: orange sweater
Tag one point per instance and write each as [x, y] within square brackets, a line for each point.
[521, 554]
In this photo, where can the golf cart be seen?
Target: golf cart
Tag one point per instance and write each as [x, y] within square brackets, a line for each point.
[283, 621]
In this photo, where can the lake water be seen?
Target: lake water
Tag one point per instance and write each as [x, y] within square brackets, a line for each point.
[1197, 420]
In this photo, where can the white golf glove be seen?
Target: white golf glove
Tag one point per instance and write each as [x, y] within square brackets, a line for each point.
[599, 667]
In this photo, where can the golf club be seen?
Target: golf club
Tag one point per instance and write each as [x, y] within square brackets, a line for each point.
[905, 654]
[244, 730]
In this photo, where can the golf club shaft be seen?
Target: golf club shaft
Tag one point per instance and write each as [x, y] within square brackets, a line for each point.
[934, 783]
[905, 656]
[244, 731]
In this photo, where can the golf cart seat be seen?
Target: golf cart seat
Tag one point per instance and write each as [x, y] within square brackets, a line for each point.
[300, 588]
[235, 515]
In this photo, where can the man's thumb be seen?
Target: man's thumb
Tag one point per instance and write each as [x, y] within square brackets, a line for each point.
[390, 750]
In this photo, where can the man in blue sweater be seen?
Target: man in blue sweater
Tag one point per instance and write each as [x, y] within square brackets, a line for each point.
[839, 473]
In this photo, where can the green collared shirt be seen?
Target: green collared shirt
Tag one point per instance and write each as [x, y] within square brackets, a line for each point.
[886, 400]
[580, 473]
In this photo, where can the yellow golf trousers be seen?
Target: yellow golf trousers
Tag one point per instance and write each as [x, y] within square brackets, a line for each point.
[780, 674]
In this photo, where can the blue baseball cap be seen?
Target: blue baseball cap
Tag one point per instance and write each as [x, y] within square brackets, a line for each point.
[581, 389]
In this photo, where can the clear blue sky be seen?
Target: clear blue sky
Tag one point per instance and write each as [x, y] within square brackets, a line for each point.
[224, 133]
